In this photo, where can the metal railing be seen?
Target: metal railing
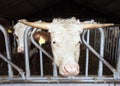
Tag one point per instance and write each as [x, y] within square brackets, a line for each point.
[55, 77]
[8, 59]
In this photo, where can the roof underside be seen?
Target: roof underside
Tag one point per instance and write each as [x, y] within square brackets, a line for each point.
[16, 9]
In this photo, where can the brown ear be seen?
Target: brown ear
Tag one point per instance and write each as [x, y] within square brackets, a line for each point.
[43, 34]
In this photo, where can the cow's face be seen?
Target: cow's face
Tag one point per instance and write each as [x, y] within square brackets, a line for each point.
[19, 33]
[65, 43]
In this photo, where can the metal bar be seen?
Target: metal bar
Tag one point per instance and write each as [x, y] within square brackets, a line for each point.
[55, 73]
[41, 64]
[38, 46]
[116, 45]
[99, 56]
[110, 44]
[113, 44]
[87, 54]
[7, 44]
[118, 62]
[107, 41]
[95, 38]
[102, 41]
[21, 72]
[108, 49]
[26, 47]
[46, 53]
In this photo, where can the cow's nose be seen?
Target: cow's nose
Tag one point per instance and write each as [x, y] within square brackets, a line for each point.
[20, 49]
[71, 70]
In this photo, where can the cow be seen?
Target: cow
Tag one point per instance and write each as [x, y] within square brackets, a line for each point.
[19, 30]
[65, 41]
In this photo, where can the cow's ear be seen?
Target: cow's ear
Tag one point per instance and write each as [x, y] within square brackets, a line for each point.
[36, 36]
[42, 37]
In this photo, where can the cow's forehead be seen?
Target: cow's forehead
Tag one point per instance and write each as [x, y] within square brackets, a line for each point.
[19, 29]
[65, 24]
[72, 37]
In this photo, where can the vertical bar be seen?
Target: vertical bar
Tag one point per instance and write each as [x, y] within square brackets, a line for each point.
[95, 34]
[107, 38]
[27, 65]
[87, 54]
[110, 44]
[118, 62]
[7, 44]
[114, 42]
[38, 46]
[105, 31]
[41, 63]
[116, 45]
[102, 41]
[55, 73]
[107, 43]
[43, 51]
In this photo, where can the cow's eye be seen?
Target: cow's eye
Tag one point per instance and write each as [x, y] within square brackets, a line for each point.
[54, 42]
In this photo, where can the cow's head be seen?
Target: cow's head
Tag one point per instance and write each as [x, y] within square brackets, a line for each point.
[65, 41]
[19, 30]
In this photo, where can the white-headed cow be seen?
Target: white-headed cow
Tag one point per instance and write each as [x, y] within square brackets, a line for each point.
[19, 30]
[65, 41]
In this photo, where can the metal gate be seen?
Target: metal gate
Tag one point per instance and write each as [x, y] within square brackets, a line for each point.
[86, 78]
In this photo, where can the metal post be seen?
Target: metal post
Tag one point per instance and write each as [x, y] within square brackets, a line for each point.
[118, 62]
[102, 43]
[26, 47]
[87, 54]
[55, 73]
[41, 64]
[7, 44]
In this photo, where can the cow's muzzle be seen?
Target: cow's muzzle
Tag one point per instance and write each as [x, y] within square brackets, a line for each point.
[20, 49]
[70, 70]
